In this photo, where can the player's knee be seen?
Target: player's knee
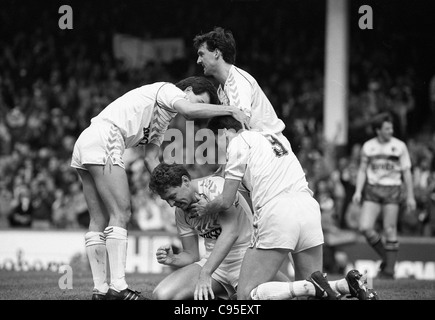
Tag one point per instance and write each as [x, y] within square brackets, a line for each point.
[371, 235]
[390, 231]
[161, 293]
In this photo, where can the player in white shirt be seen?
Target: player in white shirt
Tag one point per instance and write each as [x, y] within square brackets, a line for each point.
[217, 54]
[286, 216]
[226, 237]
[384, 163]
[139, 117]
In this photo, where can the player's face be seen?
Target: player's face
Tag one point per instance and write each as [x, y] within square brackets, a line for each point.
[206, 59]
[385, 133]
[180, 197]
[198, 98]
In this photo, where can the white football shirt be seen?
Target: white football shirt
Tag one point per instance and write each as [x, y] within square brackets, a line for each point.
[208, 226]
[265, 166]
[143, 114]
[242, 91]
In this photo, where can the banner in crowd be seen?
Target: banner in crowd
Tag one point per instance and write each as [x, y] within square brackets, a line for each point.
[136, 52]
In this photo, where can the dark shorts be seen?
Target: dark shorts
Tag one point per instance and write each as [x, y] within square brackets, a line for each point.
[382, 194]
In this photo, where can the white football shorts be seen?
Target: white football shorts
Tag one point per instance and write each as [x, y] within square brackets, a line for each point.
[227, 274]
[99, 142]
[290, 221]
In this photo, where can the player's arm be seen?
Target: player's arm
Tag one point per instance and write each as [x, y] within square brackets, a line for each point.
[237, 154]
[151, 156]
[189, 255]
[243, 99]
[407, 177]
[360, 179]
[220, 203]
[230, 221]
[205, 110]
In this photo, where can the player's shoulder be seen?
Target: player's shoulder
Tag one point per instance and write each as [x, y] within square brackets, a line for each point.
[373, 142]
[397, 141]
[210, 182]
[241, 75]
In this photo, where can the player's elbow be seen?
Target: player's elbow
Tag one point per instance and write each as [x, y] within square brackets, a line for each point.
[186, 111]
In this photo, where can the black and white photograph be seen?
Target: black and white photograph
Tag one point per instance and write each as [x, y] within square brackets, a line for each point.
[216, 155]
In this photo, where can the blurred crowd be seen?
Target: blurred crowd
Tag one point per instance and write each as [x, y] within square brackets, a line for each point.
[52, 82]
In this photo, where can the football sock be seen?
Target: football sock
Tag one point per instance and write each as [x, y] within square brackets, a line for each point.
[116, 244]
[340, 286]
[375, 241]
[95, 244]
[391, 249]
[283, 290]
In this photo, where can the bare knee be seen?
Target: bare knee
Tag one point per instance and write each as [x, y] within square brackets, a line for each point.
[366, 231]
[390, 231]
[162, 293]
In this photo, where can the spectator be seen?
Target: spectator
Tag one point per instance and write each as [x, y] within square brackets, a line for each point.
[21, 215]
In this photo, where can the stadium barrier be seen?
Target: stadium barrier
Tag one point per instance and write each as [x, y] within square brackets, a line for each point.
[23, 250]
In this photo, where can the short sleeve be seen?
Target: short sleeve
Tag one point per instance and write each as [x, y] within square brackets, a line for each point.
[405, 159]
[237, 158]
[168, 95]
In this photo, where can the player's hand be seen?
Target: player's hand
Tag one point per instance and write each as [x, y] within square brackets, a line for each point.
[240, 116]
[356, 198]
[411, 204]
[198, 209]
[203, 287]
[165, 255]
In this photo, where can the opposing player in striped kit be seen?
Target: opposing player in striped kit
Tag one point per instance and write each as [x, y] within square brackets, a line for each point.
[138, 118]
[384, 163]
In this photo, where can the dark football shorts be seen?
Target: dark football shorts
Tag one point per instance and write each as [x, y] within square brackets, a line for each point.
[382, 194]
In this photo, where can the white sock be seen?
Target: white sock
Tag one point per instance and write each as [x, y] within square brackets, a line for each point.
[116, 244]
[283, 290]
[303, 288]
[271, 291]
[340, 286]
[95, 244]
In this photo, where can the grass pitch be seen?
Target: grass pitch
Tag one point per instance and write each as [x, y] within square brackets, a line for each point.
[44, 285]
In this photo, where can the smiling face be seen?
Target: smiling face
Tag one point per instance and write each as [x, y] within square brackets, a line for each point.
[180, 197]
[207, 59]
[385, 132]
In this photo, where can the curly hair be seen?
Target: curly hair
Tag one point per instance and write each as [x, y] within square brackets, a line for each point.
[220, 39]
[200, 85]
[165, 176]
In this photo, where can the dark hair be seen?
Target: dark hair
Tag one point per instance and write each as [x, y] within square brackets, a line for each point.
[218, 39]
[379, 120]
[199, 85]
[165, 176]
[224, 122]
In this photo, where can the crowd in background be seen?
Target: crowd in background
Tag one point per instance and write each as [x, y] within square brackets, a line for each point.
[52, 82]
